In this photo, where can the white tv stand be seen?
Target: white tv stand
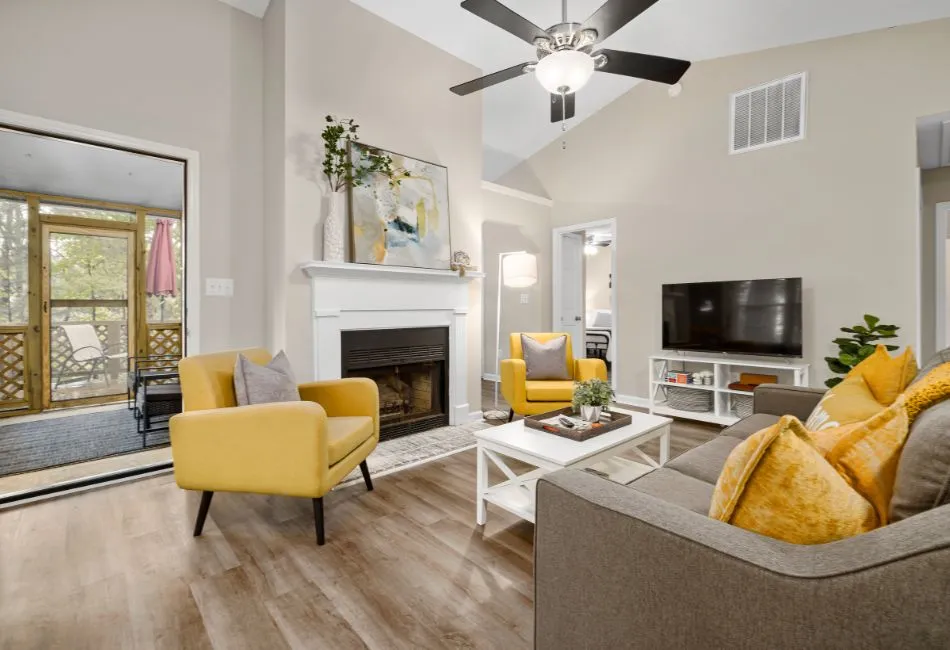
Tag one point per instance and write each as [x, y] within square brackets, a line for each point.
[725, 371]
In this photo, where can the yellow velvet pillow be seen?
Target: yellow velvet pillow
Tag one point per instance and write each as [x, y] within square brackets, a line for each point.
[866, 455]
[887, 376]
[776, 483]
[933, 387]
[849, 402]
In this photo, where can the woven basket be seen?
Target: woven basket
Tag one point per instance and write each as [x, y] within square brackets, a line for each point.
[689, 399]
[742, 405]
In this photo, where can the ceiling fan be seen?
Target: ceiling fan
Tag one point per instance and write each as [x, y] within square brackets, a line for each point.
[566, 56]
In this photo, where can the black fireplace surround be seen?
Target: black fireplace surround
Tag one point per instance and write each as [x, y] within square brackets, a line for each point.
[411, 368]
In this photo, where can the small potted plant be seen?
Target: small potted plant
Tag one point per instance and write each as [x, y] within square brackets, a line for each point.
[859, 346]
[591, 397]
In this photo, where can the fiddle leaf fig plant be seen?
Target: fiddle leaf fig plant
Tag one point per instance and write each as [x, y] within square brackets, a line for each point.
[338, 165]
[592, 392]
[857, 347]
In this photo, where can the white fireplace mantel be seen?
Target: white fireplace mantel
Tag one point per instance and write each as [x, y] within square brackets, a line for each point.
[348, 296]
[349, 269]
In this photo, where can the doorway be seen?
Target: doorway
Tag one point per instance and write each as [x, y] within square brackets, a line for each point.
[92, 291]
[941, 271]
[584, 299]
[89, 313]
[933, 204]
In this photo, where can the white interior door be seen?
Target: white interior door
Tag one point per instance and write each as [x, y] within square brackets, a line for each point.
[571, 316]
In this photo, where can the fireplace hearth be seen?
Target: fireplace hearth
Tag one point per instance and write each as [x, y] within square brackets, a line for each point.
[410, 367]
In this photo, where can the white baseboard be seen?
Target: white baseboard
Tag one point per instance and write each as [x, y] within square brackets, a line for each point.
[476, 416]
[641, 402]
[490, 376]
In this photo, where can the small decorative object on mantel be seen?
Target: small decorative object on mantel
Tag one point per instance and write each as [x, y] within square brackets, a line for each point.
[859, 346]
[401, 219]
[341, 173]
[461, 262]
[590, 397]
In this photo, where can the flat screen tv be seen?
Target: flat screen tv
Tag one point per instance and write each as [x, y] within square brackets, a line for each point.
[739, 317]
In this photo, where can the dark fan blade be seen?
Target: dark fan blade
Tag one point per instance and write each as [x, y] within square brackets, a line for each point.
[614, 14]
[562, 107]
[643, 66]
[489, 80]
[501, 16]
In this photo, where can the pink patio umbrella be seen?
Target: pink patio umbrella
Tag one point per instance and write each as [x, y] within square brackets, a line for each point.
[160, 273]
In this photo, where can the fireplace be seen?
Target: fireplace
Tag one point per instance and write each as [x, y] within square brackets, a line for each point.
[410, 367]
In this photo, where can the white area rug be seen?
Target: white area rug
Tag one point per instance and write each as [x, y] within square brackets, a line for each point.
[394, 455]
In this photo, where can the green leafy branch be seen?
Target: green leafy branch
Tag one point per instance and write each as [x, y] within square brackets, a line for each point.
[854, 349]
[338, 137]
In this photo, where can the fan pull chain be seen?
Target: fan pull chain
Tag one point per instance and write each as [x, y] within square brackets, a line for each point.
[564, 114]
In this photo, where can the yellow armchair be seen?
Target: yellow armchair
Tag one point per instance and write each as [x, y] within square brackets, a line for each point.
[300, 449]
[528, 397]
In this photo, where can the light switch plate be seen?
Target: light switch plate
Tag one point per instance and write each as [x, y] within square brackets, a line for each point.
[219, 287]
[524, 299]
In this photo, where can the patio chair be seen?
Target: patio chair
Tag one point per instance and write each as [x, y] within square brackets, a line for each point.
[87, 351]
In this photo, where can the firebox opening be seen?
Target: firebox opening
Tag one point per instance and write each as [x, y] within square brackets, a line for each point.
[406, 391]
[410, 367]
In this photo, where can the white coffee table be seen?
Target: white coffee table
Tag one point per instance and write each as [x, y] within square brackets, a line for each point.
[547, 453]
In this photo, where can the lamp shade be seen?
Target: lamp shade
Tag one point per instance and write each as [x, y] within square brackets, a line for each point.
[519, 270]
[565, 71]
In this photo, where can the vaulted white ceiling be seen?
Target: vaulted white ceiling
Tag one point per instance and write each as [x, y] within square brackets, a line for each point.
[516, 113]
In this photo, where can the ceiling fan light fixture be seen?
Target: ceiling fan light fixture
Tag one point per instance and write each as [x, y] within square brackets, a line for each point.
[564, 71]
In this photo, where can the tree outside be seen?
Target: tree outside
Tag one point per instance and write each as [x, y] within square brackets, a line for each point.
[14, 259]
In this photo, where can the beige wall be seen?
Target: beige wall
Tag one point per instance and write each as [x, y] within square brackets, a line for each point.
[837, 208]
[275, 171]
[934, 189]
[514, 224]
[342, 60]
[180, 72]
[597, 278]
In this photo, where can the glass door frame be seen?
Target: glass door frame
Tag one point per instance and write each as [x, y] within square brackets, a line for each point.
[117, 230]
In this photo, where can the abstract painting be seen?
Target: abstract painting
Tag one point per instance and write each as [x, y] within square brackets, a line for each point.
[404, 224]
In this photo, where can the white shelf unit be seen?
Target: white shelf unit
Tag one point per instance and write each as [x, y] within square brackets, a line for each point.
[726, 370]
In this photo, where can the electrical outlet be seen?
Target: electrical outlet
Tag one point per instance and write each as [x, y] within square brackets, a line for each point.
[524, 299]
[219, 287]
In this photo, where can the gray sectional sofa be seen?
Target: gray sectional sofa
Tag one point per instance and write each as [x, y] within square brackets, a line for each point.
[643, 566]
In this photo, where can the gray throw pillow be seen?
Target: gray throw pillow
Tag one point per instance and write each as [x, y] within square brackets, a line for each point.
[939, 358]
[923, 471]
[545, 360]
[254, 384]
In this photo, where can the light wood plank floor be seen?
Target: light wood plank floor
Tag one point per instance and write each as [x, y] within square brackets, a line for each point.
[404, 567]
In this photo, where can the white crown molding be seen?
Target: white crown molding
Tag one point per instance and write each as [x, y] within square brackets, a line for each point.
[518, 194]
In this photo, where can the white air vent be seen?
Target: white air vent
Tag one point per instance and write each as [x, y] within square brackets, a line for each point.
[767, 115]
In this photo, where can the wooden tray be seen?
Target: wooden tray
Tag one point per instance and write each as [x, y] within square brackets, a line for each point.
[609, 421]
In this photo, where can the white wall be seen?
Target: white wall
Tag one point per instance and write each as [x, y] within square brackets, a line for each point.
[514, 224]
[345, 61]
[837, 208]
[180, 72]
[597, 277]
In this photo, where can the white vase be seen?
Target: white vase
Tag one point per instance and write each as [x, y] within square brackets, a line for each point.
[334, 229]
[590, 413]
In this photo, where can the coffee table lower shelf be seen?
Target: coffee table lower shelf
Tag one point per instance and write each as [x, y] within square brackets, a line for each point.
[517, 495]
